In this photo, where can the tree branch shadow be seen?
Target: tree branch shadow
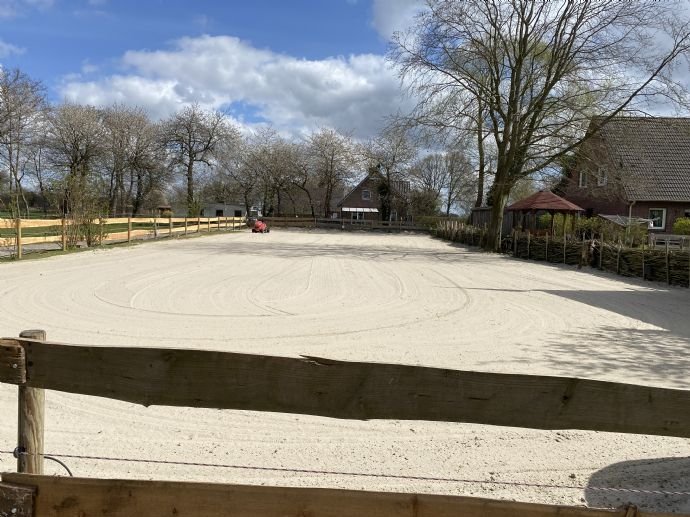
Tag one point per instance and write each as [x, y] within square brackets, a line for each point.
[658, 474]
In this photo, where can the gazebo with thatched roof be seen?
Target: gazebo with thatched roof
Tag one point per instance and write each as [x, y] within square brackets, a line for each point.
[543, 201]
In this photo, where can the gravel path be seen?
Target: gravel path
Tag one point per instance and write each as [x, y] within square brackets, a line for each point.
[370, 297]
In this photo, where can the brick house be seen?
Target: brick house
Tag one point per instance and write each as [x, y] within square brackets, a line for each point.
[634, 167]
[364, 201]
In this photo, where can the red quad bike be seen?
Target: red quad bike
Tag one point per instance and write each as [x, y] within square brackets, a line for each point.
[260, 227]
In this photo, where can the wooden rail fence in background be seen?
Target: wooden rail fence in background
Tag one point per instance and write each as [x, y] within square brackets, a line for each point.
[13, 231]
[347, 224]
[313, 386]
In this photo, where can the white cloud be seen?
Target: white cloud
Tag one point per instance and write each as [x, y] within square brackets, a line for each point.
[7, 49]
[354, 92]
[390, 16]
[13, 8]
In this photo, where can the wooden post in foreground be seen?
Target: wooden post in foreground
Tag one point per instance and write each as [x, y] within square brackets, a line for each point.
[185, 225]
[129, 229]
[31, 417]
[170, 226]
[19, 238]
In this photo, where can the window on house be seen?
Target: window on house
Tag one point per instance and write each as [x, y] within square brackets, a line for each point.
[602, 177]
[366, 195]
[658, 217]
[582, 183]
[686, 213]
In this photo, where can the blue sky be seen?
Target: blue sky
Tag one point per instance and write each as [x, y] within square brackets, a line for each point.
[297, 64]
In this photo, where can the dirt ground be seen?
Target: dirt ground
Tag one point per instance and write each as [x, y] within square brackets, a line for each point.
[358, 296]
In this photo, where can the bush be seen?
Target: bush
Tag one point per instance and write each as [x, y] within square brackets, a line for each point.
[682, 226]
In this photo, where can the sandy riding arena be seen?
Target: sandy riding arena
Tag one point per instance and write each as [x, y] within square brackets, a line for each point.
[356, 296]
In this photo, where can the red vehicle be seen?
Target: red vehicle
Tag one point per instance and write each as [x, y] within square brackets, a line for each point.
[260, 227]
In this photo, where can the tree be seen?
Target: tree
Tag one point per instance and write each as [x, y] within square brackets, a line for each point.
[237, 176]
[332, 159]
[391, 153]
[460, 182]
[74, 141]
[22, 109]
[191, 136]
[535, 72]
[133, 155]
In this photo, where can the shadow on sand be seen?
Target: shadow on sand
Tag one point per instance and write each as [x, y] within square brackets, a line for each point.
[659, 474]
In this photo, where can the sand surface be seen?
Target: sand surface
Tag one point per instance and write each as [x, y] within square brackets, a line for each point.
[359, 296]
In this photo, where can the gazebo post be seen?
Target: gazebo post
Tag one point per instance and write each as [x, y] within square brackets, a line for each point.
[552, 217]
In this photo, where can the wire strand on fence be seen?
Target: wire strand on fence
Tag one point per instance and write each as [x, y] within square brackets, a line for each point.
[365, 474]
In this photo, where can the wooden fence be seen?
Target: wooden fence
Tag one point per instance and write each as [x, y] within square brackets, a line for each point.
[349, 224]
[18, 233]
[661, 264]
[308, 385]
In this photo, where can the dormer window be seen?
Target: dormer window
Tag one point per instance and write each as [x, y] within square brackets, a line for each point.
[366, 195]
[602, 177]
[582, 181]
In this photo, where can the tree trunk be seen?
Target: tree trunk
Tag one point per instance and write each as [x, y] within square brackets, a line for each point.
[482, 157]
[499, 202]
[327, 201]
[191, 209]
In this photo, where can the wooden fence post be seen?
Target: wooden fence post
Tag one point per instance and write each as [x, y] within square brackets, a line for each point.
[668, 266]
[31, 416]
[643, 275]
[185, 225]
[170, 226]
[208, 222]
[129, 229]
[528, 243]
[198, 224]
[19, 237]
[64, 233]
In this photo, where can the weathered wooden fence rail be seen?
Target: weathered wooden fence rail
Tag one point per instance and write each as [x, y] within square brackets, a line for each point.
[17, 233]
[346, 224]
[74, 497]
[313, 386]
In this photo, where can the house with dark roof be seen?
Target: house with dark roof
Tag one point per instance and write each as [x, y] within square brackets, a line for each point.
[364, 202]
[638, 167]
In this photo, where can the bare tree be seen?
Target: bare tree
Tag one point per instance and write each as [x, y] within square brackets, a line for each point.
[22, 108]
[392, 153]
[132, 153]
[539, 70]
[332, 157]
[75, 142]
[191, 136]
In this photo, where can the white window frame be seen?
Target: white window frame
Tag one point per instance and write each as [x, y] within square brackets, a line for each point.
[663, 219]
[366, 195]
[582, 180]
[602, 177]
